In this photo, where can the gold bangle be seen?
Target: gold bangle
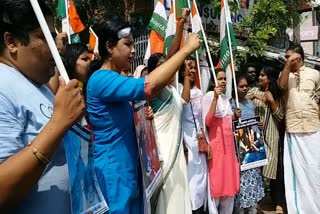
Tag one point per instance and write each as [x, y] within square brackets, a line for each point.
[40, 157]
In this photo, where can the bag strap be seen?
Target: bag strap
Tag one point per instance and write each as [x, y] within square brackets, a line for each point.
[194, 120]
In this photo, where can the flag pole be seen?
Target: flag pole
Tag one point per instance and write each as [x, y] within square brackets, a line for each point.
[50, 40]
[207, 49]
[210, 58]
[66, 3]
[175, 21]
[197, 56]
[231, 57]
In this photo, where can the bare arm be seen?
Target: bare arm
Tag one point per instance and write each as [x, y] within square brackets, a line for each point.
[20, 172]
[284, 76]
[176, 42]
[186, 83]
[273, 105]
[160, 77]
[213, 107]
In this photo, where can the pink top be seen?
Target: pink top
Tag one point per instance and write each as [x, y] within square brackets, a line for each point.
[224, 169]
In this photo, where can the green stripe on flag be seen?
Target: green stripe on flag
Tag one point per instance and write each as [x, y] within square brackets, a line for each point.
[181, 4]
[75, 38]
[224, 53]
[61, 12]
[167, 44]
[232, 37]
[225, 56]
[159, 24]
[202, 47]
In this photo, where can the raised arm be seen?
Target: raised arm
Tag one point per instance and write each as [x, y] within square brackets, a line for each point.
[186, 82]
[176, 42]
[213, 107]
[284, 76]
[210, 117]
[161, 76]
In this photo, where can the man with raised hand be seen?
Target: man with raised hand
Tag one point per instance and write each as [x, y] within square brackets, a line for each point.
[300, 85]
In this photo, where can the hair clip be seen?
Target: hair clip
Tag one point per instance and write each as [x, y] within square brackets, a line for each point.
[125, 32]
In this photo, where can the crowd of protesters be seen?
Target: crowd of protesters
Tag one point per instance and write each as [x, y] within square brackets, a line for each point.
[37, 108]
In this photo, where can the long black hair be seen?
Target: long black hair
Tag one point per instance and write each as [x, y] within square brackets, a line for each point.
[153, 61]
[272, 75]
[107, 33]
[72, 53]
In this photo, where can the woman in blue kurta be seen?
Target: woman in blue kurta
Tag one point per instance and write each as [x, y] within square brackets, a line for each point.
[110, 114]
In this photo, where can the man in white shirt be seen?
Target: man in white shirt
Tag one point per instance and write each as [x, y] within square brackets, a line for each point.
[301, 146]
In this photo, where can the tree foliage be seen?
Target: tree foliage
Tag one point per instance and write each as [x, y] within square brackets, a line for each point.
[268, 20]
[96, 11]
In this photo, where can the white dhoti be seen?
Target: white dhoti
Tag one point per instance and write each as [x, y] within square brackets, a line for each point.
[302, 172]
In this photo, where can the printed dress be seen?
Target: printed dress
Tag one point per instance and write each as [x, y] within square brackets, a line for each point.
[251, 183]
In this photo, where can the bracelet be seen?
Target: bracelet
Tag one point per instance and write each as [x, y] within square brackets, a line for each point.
[40, 157]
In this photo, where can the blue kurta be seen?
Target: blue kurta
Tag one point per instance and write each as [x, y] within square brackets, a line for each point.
[116, 154]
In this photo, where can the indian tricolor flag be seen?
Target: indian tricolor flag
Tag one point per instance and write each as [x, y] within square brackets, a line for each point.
[171, 29]
[203, 77]
[93, 43]
[226, 33]
[175, 14]
[158, 25]
[75, 22]
[196, 25]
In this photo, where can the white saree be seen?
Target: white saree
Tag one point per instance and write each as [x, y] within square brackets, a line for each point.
[174, 197]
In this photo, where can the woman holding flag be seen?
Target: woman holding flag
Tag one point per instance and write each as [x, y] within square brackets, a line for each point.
[108, 95]
[224, 170]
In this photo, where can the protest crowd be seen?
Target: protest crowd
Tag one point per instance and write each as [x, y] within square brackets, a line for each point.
[164, 139]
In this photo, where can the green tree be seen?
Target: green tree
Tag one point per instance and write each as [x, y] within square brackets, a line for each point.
[268, 20]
